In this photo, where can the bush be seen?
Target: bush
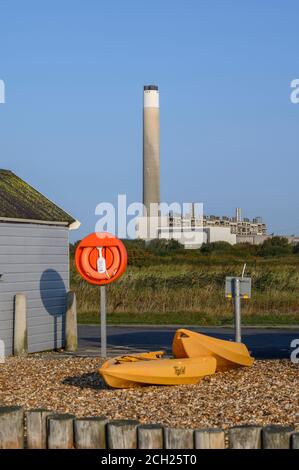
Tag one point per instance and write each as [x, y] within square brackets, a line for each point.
[73, 246]
[245, 249]
[164, 247]
[275, 246]
[296, 248]
[135, 243]
[216, 247]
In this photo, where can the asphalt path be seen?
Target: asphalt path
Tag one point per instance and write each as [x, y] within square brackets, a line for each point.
[263, 343]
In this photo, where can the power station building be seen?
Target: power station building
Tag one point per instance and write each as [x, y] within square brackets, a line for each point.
[190, 230]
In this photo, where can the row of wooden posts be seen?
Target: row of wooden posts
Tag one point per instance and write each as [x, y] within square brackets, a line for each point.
[41, 429]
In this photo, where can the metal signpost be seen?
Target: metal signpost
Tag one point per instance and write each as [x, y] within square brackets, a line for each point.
[100, 259]
[103, 323]
[237, 310]
[238, 288]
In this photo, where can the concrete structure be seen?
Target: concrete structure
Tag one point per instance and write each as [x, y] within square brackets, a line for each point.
[252, 239]
[192, 230]
[244, 226]
[223, 234]
[188, 231]
[238, 215]
[20, 344]
[71, 330]
[151, 147]
[34, 260]
[259, 239]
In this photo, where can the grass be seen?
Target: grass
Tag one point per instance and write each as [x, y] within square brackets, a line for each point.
[187, 287]
[186, 318]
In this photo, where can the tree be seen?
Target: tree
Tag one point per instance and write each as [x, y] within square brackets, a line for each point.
[216, 247]
[163, 247]
[296, 248]
[275, 246]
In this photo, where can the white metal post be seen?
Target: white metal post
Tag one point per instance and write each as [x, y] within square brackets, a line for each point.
[237, 309]
[103, 323]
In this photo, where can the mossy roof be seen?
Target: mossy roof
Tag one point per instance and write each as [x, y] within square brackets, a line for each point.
[19, 200]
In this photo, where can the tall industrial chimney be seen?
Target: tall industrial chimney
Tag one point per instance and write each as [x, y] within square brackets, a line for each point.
[238, 215]
[151, 147]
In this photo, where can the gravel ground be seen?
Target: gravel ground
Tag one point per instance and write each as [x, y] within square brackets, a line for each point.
[266, 393]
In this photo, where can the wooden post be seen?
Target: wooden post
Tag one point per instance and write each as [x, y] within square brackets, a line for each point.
[277, 437]
[295, 440]
[71, 332]
[150, 436]
[20, 344]
[245, 437]
[210, 438]
[178, 438]
[11, 427]
[122, 434]
[36, 421]
[90, 433]
[60, 431]
[2, 351]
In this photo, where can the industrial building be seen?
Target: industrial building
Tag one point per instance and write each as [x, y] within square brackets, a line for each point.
[237, 224]
[190, 230]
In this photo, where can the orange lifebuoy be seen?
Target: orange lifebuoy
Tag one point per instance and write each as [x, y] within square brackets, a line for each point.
[113, 253]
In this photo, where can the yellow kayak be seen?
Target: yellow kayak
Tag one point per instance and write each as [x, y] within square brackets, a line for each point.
[228, 354]
[149, 369]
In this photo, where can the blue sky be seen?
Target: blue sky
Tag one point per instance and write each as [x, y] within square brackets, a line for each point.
[72, 122]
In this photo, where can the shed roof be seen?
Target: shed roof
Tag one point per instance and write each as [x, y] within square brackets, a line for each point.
[20, 201]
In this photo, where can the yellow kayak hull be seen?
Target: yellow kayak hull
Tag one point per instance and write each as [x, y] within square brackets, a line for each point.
[150, 369]
[228, 354]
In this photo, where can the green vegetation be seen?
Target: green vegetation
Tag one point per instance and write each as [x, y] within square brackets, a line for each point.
[165, 284]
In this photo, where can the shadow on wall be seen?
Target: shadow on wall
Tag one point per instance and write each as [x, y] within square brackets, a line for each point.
[53, 295]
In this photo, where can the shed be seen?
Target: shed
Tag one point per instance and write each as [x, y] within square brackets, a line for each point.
[34, 260]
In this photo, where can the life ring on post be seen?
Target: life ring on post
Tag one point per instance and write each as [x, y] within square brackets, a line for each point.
[101, 258]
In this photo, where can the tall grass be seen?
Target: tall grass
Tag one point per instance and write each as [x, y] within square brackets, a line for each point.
[193, 283]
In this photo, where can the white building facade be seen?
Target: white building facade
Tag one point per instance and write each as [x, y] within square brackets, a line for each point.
[188, 231]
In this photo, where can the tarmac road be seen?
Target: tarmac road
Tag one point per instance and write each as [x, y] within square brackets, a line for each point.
[264, 343]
